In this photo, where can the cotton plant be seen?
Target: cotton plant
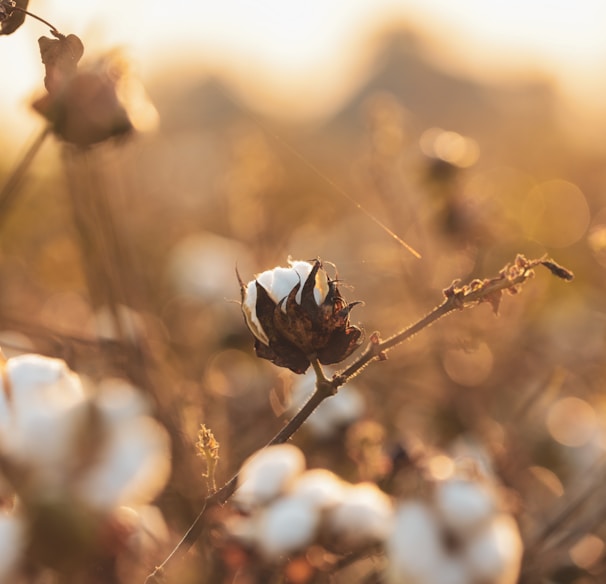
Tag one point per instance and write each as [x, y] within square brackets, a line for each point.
[80, 470]
[299, 319]
[297, 312]
[78, 466]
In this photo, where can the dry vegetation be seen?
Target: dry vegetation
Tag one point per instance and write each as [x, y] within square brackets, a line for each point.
[119, 257]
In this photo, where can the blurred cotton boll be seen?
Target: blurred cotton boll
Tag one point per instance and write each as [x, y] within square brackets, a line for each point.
[202, 266]
[493, 554]
[333, 414]
[267, 474]
[12, 546]
[288, 509]
[288, 525]
[459, 536]
[464, 505]
[319, 487]
[42, 412]
[144, 532]
[106, 448]
[415, 551]
[361, 519]
[72, 460]
[133, 460]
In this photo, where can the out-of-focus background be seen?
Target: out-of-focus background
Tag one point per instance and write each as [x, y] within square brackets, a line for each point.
[473, 130]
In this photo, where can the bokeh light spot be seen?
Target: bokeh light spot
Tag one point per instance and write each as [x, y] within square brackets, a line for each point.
[571, 421]
[555, 213]
[548, 479]
[440, 467]
[587, 551]
[469, 367]
[451, 147]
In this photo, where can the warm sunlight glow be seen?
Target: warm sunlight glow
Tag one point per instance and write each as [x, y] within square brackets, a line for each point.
[303, 58]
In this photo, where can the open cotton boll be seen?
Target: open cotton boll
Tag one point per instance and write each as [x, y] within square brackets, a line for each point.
[464, 505]
[132, 464]
[42, 414]
[321, 488]
[297, 315]
[495, 553]
[39, 378]
[415, 551]
[288, 525]
[267, 474]
[362, 518]
[278, 283]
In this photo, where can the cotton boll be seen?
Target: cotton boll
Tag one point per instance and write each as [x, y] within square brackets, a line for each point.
[281, 305]
[144, 526]
[140, 534]
[133, 461]
[42, 414]
[244, 528]
[12, 546]
[464, 505]
[288, 525]
[319, 487]
[415, 551]
[278, 283]
[362, 518]
[267, 474]
[34, 377]
[495, 553]
[120, 401]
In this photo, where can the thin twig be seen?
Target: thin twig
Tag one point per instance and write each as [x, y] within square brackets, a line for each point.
[456, 298]
[54, 30]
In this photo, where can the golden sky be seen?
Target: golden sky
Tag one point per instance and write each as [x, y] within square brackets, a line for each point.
[306, 56]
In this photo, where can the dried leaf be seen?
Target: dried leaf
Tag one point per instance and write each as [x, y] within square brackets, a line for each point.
[60, 57]
[558, 270]
[494, 299]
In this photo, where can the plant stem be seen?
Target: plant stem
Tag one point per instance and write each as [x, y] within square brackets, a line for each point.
[54, 30]
[8, 194]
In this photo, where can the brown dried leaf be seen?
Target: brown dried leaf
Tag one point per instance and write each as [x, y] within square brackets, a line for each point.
[60, 57]
[558, 270]
[494, 299]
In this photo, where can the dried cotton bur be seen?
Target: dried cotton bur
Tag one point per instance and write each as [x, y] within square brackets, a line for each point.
[297, 314]
[82, 106]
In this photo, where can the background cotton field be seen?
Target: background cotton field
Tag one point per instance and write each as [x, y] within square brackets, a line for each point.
[215, 217]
